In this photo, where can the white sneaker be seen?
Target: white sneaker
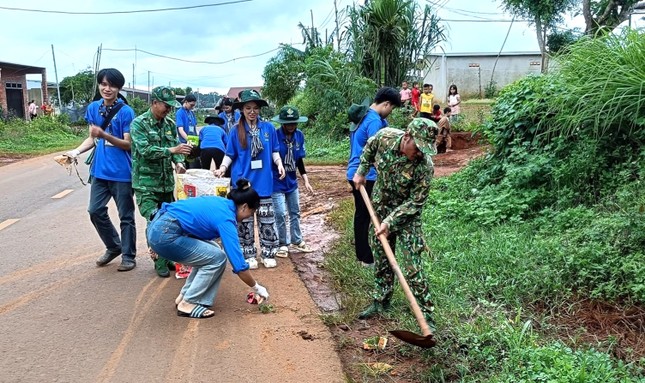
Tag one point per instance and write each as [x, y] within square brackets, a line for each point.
[303, 247]
[269, 263]
[253, 263]
[283, 252]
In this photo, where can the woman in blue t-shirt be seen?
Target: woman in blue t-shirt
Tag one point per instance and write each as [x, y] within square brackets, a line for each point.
[286, 198]
[183, 232]
[251, 151]
[212, 142]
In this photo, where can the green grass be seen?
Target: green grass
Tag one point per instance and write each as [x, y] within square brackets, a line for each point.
[484, 280]
[42, 136]
[325, 150]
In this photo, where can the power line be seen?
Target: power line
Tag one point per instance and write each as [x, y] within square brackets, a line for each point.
[475, 12]
[485, 21]
[192, 61]
[126, 12]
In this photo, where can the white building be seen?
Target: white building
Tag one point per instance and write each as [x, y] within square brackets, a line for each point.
[471, 72]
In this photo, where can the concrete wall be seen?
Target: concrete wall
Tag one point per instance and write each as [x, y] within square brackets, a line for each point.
[472, 73]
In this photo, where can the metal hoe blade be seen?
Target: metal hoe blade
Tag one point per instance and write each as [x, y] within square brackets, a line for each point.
[414, 339]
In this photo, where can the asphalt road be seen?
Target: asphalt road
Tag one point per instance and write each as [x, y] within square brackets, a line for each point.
[62, 319]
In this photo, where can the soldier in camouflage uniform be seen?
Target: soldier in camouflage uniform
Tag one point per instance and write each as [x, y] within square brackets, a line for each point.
[155, 148]
[404, 165]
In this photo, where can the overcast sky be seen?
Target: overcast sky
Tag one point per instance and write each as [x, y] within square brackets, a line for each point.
[214, 34]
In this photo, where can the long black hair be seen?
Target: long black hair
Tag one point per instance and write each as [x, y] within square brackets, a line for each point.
[244, 194]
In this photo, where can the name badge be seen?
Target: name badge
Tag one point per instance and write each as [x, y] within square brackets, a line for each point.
[108, 143]
[257, 164]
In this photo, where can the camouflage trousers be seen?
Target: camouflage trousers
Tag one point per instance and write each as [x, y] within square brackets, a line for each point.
[411, 248]
[149, 202]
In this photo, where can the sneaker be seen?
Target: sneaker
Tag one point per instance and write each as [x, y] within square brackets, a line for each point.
[253, 263]
[107, 257]
[302, 247]
[161, 267]
[127, 265]
[283, 252]
[376, 308]
[269, 262]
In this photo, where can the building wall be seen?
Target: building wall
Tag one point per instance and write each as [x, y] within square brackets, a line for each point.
[472, 74]
[12, 77]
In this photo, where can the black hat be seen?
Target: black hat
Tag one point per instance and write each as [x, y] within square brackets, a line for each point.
[217, 120]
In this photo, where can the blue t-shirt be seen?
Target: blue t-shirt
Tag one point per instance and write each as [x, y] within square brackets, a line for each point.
[212, 136]
[261, 176]
[208, 218]
[111, 163]
[290, 181]
[372, 123]
[228, 124]
[186, 119]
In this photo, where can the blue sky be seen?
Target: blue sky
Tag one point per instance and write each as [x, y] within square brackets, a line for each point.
[219, 33]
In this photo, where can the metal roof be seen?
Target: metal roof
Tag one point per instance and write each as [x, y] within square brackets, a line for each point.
[26, 69]
[484, 54]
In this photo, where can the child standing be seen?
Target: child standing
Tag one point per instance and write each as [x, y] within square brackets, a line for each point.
[416, 93]
[443, 139]
[406, 94]
[426, 101]
[453, 101]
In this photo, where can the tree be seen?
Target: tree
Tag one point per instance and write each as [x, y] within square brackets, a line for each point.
[605, 14]
[283, 75]
[78, 88]
[544, 14]
[387, 38]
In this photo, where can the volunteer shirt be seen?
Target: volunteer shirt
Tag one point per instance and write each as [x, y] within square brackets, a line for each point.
[426, 103]
[186, 118]
[261, 176]
[208, 218]
[230, 120]
[290, 181]
[212, 136]
[372, 123]
[111, 163]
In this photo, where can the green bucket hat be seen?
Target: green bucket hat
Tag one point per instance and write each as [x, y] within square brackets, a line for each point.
[166, 95]
[424, 132]
[289, 115]
[248, 95]
[356, 112]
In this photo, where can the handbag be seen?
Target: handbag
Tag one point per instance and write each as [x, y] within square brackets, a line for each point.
[104, 125]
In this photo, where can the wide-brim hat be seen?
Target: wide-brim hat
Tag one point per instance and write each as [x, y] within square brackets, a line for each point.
[424, 131]
[357, 112]
[166, 95]
[289, 115]
[248, 95]
[217, 120]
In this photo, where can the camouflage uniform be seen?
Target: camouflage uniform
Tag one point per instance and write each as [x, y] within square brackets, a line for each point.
[400, 192]
[152, 173]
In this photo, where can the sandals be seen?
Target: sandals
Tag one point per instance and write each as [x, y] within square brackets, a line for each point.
[198, 312]
[283, 252]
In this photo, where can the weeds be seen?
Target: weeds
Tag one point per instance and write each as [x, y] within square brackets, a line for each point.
[43, 135]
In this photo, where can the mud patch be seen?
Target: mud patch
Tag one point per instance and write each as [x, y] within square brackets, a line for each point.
[6, 159]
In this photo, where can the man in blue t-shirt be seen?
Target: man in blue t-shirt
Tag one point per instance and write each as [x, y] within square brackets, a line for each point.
[366, 122]
[111, 169]
[187, 126]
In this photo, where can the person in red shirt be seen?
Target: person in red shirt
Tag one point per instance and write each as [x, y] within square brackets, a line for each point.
[416, 93]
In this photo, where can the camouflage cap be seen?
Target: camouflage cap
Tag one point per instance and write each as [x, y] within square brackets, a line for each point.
[166, 95]
[424, 132]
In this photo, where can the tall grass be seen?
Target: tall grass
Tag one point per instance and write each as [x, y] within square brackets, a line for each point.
[41, 136]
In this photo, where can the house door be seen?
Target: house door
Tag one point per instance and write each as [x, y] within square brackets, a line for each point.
[15, 100]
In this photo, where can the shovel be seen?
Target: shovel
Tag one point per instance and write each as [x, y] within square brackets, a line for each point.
[425, 340]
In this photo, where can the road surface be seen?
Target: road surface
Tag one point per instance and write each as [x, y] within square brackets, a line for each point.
[62, 319]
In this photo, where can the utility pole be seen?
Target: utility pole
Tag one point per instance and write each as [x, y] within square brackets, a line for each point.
[313, 29]
[97, 65]
[337, 28]
[148, 87]
[133, 83]
[60, 102]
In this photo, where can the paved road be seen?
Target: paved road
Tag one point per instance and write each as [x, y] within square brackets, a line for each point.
[62, 319]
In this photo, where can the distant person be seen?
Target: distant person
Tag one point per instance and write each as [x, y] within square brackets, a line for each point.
[454, 100]
[425, 108]
[230, 116]
[416, 94]
[184, 232]
[251, 152]
[155, 149]
[33, 110]
[212, 142]
[187, 126]
[385, 101]
[443, 140]
[48, 109]
[110, 119]
[286, 195]
[406, 94]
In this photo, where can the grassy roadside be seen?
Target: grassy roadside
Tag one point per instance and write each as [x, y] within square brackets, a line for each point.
[487, 283]
[323, 150]
[41, 136]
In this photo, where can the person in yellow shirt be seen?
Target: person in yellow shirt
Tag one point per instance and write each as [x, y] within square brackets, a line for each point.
[426, 101]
